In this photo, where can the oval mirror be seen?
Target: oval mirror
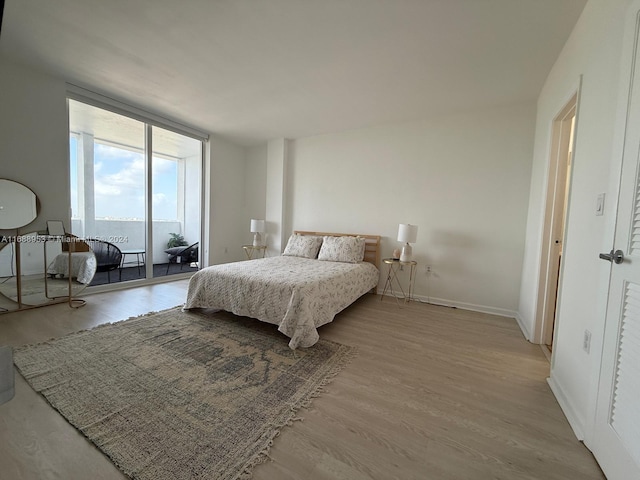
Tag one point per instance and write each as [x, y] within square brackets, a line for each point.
[18, 205]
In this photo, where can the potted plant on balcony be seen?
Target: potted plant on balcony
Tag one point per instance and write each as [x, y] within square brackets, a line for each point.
[175, 246]
[176, 240]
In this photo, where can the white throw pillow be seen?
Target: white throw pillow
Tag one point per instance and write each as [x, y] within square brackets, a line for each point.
[342, 249]
[306, 246]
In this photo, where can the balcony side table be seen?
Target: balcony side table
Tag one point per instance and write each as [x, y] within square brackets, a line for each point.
[393, 266]
[139, 261]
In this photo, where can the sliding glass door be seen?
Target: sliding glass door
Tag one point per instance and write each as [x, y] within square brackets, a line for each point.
[136, 192]
[176, 167]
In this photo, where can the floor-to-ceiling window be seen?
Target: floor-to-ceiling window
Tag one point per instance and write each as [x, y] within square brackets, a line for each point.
[135, 192]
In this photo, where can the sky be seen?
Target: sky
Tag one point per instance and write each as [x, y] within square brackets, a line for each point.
[119, 177]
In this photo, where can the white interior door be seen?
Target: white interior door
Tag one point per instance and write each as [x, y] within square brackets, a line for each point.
[616, 442]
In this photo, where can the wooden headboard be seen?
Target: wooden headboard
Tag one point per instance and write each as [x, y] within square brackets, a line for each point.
[371, 249]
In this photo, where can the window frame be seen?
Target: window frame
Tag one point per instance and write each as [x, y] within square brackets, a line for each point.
[149, 121]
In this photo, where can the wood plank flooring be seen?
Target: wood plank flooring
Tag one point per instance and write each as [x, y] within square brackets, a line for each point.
[434, 393]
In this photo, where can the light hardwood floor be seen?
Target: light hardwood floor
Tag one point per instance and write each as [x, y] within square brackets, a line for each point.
[434, 393]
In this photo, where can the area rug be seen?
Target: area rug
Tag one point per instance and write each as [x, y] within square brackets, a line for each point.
[180, 395]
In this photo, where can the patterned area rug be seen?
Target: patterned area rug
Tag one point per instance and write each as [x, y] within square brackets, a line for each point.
[175, 395]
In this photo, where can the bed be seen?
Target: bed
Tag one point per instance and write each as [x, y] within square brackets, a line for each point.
[317, 276]
[83, 266]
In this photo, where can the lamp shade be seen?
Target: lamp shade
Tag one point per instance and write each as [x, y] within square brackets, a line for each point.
[407, 233]
[257, 226]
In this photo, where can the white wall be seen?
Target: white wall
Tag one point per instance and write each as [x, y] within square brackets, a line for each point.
[593, 51]
[277, 193]
[227, 228]
[463, 179]
[34, 138]
[256, 187]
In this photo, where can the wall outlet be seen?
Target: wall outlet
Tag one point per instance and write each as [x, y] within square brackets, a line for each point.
[427, 269]
[586, 341]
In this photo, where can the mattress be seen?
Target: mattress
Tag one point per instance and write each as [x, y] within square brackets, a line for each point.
[83, 266]
[297, 294]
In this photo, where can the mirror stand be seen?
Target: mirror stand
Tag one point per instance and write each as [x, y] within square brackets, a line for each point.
[70, 245]
[18, 272]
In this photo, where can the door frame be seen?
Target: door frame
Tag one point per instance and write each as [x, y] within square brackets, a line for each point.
[558, 190]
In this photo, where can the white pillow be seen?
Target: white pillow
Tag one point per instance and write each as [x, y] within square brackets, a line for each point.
[342, 249]
[306, 246]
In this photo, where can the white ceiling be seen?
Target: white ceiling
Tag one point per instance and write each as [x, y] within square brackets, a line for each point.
[253, 70]
[111, 128]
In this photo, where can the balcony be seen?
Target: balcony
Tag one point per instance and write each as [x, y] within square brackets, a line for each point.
[129, 237]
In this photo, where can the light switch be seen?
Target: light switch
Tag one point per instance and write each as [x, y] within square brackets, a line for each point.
[600, 205]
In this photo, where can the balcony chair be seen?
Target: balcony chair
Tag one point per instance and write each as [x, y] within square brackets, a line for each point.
[108, 256]
[182, 255]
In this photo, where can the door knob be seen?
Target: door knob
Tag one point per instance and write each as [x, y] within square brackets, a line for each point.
[616, 257]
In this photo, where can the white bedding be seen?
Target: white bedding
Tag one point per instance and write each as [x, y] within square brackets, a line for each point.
[297, 294]
[83, 266]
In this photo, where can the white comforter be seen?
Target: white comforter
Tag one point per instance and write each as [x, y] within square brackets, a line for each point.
[297, 294]
[83, 266]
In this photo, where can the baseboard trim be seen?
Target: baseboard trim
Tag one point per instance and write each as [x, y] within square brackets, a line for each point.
[567, 408]
[525, 330]
[502, 312]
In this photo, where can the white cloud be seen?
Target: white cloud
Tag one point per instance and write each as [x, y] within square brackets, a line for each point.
[120, 183]
[159, 198]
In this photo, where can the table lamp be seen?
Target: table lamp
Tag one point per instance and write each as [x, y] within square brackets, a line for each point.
[407, 234]
[257, 228]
